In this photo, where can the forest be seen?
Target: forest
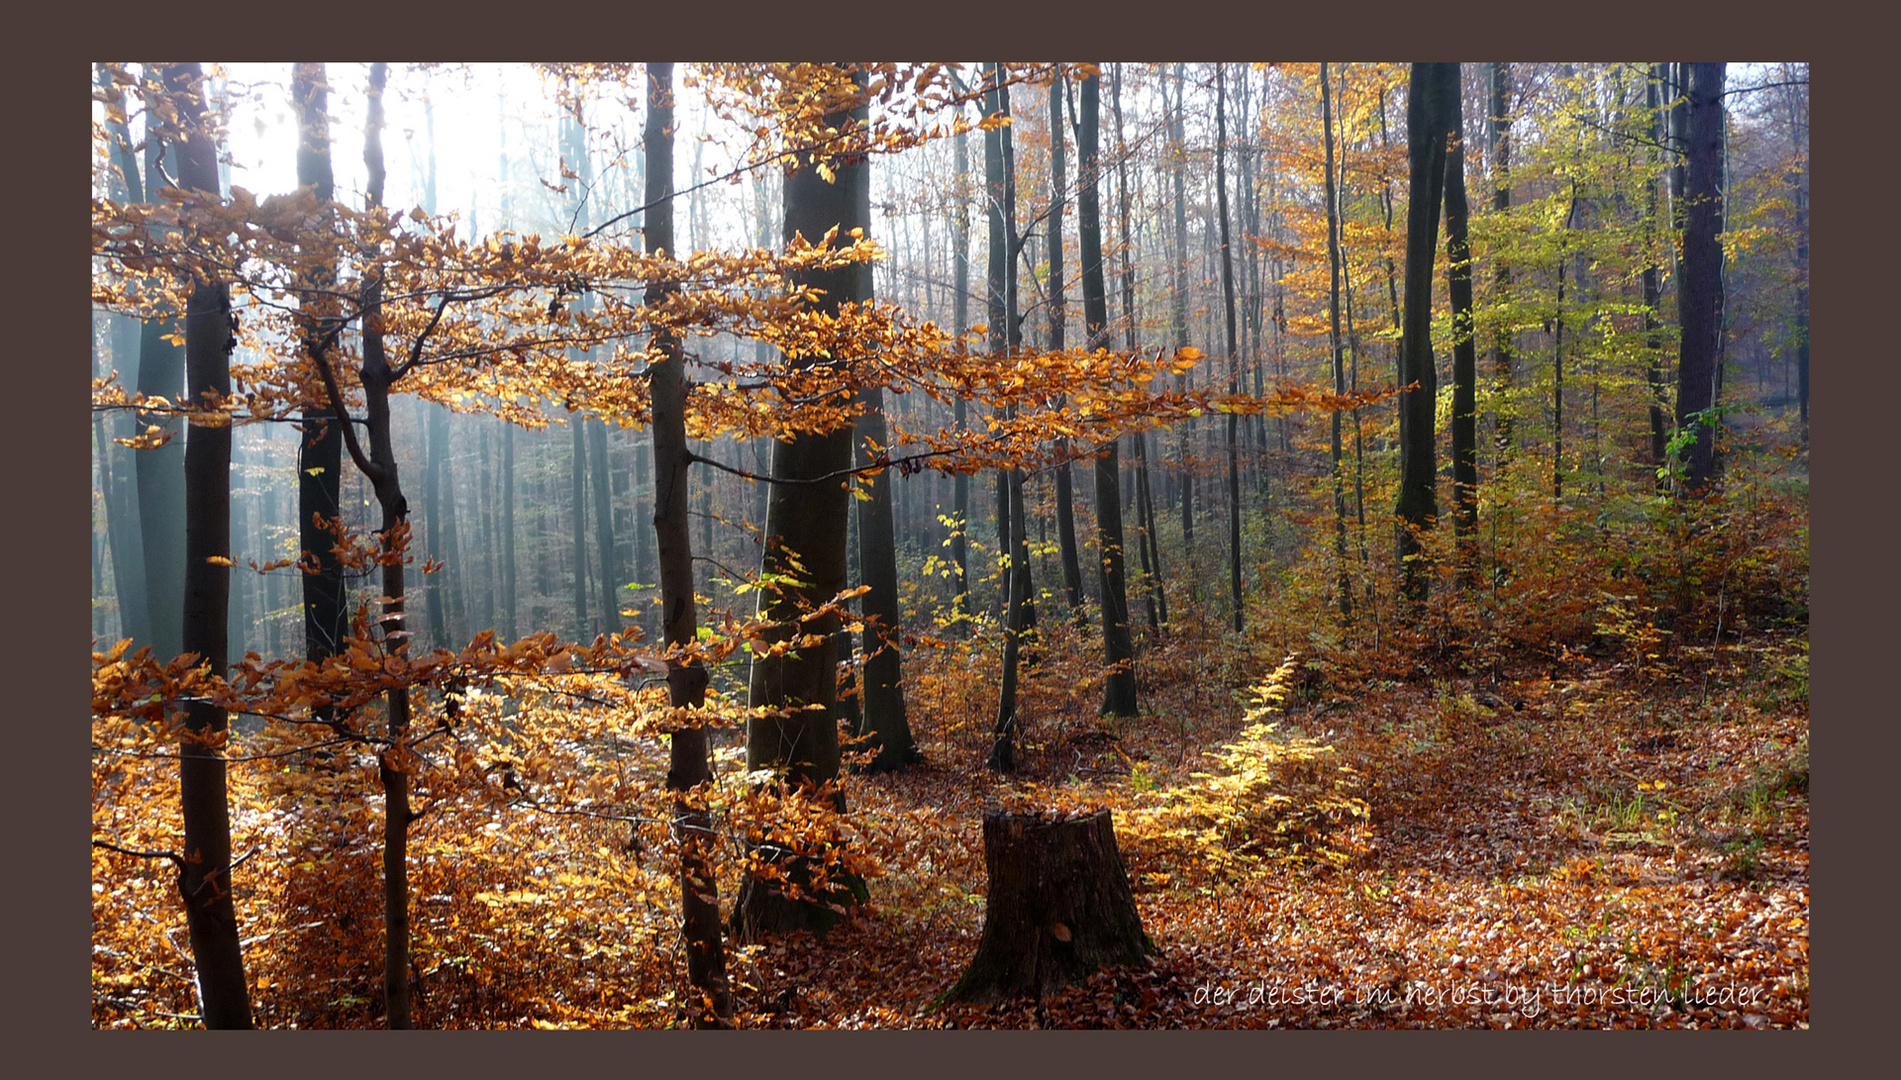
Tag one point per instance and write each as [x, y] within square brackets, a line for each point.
[949, 545]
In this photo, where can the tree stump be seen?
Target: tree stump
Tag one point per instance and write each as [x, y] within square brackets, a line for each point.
[1059, 909]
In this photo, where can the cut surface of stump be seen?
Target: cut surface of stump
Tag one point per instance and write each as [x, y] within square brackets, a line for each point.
[1059, 909]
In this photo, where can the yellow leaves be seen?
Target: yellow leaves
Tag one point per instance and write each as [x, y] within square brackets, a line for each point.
[151, 438]
[219, 560]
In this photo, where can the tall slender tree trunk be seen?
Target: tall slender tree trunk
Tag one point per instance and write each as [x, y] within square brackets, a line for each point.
[1234, 349]
[429, 417]
[1342, 585]
[1065, 495]
[1019, 609]
[123, 529]
[511, 627]
[882, 719]
[379, 466]
[1428, 125]
[1700, 273]
[320, 435]
[160, 471]
[997, 103]
[1653, 289]
[1156, 594]
[1465, 433]
[1118, 646]
[204, 879]
[1557, 356]
[602, 483]
[1179, 156]
[689, 768]
[1498, 134]
[960, 485]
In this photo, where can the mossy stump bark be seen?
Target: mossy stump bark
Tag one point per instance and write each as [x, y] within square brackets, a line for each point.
[1059, 909]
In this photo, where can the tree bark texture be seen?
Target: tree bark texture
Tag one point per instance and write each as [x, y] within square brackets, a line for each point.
[1234, 351]
[204, 879]
[161, 470]
[689, 767]
[1465, 434]
[1059, 907]
[805, 541]
[1118, 646]
[1428, 124]
[1343, 585]
[882, 719]
[1700, 273]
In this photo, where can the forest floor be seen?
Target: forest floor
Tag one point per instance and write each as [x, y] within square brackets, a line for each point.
[1599, 838]
[1573, 841]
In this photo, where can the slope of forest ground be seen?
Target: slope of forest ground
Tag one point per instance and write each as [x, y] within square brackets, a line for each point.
[1586, 822]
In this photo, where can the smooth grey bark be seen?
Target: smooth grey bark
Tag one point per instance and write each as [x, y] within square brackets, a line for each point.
[125, 184]
[435, 602]
[599, 479]
[510, 623]
[161, 470]
[1428, 111]
[1118, 646]
[204, 879]
[689, 767]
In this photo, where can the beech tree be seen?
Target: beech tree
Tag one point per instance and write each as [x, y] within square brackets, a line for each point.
[689, 767]
[205, 866]
[1435, 87]
[804, 564]
[1700, 273]
[1118, 646]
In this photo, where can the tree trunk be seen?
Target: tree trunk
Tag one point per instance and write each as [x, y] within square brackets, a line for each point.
[1059, 907]
[881, 708]
[1498, 133]
[806, 520]
[1065, 487]
[960, 485]
[1700, 274]
[160, 471]
[1234, 350]
[510, 623]
[1465, 435]
[1343, 585]
[1118, 647]
[320, 435]
[610, 575]
[429, 417]
[1428, 112]
[1179, 152]
[128, 560]
[689, 768]
[204, 879]
[1653, 289]
[1156, 595]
